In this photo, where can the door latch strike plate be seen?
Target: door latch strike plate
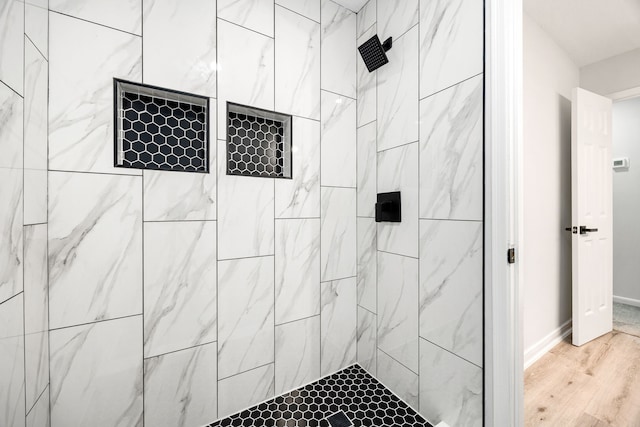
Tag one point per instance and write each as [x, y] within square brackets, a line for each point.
[511, 255]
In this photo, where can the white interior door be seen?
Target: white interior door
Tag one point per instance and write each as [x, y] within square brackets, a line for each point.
[591, 202]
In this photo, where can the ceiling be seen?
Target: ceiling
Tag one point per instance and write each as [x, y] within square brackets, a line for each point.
[353, 5]
[589, 30]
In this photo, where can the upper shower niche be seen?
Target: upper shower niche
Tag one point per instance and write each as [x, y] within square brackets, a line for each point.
[160, 129]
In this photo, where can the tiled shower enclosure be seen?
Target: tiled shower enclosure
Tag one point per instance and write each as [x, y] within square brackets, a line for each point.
[156, 298]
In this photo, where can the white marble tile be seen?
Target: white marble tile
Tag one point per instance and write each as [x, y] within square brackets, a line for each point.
[245, 314]
[395, 17]
[256, 15]
[95, 247]
[35, 196]
[297, 353]
[398, 308]
[11, 128]
[366, 17]
[338, 233]
[36, 288]
[81, 91]
[338, 325]
[125, 15]
[36, 92]
[179, 285]
[299, 197]
[39, 414]
[179, 45]
[367, 264]
[367, 84]
[451, 135]
[12, 386]
[11, 233]
[174, 196]
[245, 390]
[451, 286]
[398, 171]
[245, 70]
[398, 93]
[36, 351]
[366, 170]
[96, 374]
[451, 42]
[40, 3]
[245, 213]
[179, 388]
[297, 65]
[400, 380]
[450, 388]
[297, 265]
[12, 44]
[338, 36]
[36, 27]
[367, 328]
[338, 141]
[308, 8]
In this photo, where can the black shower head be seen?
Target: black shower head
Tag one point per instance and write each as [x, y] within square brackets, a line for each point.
[373, 52]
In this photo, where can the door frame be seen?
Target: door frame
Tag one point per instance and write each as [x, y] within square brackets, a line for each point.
[503, 358]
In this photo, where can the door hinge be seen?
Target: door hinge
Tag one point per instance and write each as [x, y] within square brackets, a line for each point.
[511, 255]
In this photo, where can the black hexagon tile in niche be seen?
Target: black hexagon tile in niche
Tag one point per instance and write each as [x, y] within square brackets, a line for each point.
[160, 129]
[258, 142]
[360, 397]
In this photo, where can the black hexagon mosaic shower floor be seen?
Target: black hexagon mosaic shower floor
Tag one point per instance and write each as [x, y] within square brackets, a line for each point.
[353, 391]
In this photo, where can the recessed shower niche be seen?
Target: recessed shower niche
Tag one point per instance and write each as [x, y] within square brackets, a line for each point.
[258, 142]
[160, 129]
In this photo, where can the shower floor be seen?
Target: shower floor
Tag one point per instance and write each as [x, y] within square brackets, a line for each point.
[352, 391]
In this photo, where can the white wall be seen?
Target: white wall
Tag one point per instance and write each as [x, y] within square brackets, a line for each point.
[549, 76]
[626, 200]
[612, 75]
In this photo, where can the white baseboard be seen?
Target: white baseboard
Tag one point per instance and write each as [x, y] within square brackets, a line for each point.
[542, 347]
[628, 301]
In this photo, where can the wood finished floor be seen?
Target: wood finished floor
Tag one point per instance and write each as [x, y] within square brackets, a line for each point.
[596, 385]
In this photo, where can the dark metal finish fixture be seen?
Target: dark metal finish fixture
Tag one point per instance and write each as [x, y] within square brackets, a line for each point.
[373, 52]
[388, 207]
[585, 230]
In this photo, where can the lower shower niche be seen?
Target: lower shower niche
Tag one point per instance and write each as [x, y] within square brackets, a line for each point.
[350, 397]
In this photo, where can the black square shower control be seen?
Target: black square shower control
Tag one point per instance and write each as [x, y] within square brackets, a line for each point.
[388, 208]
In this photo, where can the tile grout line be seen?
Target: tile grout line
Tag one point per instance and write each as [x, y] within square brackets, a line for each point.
[216, 144]
[297, 13]
[143, 227]
[419, 290]
[94, 322]
[24, 314]
[48, 190]
[88, 21]
[273, 225]
[322, 217]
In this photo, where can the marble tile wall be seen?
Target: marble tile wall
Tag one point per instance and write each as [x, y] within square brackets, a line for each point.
[24, 285]
[419, 131]
[135, 291]
[160, 298]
